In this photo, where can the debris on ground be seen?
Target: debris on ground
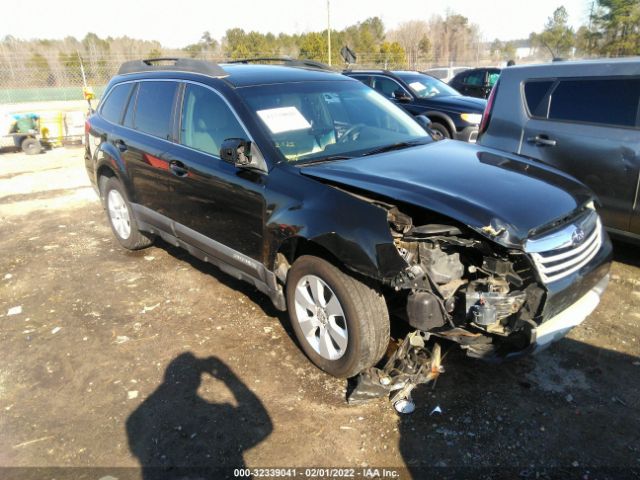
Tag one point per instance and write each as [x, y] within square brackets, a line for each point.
[55, 330]
[14, 311]
[132, 394]
[409, 366]
[437, 410]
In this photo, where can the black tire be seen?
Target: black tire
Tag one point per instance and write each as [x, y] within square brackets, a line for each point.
[365, 311]
[31, 146]
[136, 239]
[440, 131]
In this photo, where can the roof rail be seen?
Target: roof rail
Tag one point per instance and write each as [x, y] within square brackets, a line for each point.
[173, 64]
[291, 62]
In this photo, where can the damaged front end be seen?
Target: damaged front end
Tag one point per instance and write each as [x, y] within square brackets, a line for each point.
[464, 288]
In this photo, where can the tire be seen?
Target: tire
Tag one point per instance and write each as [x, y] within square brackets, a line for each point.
[364, 319]
[440, 131]
[31, 146]
[120, 215]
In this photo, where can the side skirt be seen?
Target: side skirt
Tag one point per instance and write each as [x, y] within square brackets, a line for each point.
[226, 259]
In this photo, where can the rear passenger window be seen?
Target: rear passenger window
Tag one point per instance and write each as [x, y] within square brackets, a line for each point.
[534, 94]
[153, 108]
[115, 102]
[474, 78]
[601, 101]
[207, 121]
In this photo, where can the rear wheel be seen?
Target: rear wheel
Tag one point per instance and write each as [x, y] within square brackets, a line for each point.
[341, 323]
[31, 146]
[121, 218]
[440, 131]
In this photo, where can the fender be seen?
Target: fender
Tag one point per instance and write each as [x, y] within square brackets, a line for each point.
[433, 116]
[359, 237]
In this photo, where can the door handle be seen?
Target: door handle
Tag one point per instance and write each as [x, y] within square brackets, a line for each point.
[178, 168]
[121, 145]
[542, 140]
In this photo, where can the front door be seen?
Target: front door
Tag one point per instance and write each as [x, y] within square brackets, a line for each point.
[212, 200]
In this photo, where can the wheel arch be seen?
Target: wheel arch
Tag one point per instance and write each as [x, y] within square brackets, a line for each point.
[439, 117]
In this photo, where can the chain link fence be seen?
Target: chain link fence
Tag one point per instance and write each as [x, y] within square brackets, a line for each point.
[36, 78]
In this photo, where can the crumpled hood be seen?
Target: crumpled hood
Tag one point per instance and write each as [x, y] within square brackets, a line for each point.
[485, 189]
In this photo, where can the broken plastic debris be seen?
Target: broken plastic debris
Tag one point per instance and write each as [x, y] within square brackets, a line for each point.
[131, 394]
[8, 276]
[437, 410]
[15, 310]
[121, 339]
[55, 330]
[149, 257]
[146, 309]
[405, 406]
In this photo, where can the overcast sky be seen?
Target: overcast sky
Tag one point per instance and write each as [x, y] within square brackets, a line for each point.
[178, 23]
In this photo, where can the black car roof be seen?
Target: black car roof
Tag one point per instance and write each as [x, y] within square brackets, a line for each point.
[241, 75]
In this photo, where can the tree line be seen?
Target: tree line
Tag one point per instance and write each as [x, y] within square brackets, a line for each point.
[613, 29]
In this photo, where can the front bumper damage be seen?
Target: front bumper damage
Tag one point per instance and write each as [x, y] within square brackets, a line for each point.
[557, 327]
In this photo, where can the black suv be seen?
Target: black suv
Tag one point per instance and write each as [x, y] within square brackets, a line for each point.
[452, 115]
[476, 82]
[343, 210]
[580, 117]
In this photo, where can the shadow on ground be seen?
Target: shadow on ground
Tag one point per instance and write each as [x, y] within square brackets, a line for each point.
[567, 411]
[175, 433]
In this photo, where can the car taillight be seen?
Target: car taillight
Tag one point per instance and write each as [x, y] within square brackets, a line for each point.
[486, 116]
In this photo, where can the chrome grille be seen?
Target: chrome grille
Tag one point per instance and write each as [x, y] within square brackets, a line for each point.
[567, 250]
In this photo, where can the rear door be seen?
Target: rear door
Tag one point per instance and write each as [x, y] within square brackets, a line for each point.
[389, 87]
[148, 146]
[587, 127]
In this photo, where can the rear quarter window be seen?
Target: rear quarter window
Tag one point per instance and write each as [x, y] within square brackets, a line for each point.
[603, 101]
[114, 103]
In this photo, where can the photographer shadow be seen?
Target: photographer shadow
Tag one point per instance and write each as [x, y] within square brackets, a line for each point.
[176, 434]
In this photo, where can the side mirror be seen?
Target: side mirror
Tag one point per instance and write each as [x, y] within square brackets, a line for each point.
[401, 96]
[424, 122]
[236, 151]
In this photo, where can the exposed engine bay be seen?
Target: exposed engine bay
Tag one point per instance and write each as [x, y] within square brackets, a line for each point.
[462, 287]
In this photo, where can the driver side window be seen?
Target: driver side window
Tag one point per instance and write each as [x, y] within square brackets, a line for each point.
[386, 86]
[207, 120]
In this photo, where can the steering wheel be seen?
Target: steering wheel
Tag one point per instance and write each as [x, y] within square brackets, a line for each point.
[351, 132]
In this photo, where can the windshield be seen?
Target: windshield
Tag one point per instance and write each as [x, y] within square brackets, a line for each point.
[425, 86]
[330, 120]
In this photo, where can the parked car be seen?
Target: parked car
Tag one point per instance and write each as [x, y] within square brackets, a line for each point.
[451, 114]
[444, 74]
[477, 82]
[343, 210]
[583, 118]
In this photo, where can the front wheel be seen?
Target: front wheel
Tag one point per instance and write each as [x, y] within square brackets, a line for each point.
[440, 132]
[341, 323]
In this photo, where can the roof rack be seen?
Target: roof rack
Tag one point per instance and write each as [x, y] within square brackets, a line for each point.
[173, 64]
[291, 62]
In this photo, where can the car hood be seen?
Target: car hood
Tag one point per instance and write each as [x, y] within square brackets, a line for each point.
[460, 103]
[503, 197]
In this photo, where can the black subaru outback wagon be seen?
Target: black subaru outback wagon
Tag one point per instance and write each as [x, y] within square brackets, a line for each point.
[336, 203]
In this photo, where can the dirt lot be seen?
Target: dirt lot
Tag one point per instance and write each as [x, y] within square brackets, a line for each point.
[133, 360]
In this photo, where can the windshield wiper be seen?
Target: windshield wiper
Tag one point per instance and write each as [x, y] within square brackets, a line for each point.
[394, 146]
[330, 158]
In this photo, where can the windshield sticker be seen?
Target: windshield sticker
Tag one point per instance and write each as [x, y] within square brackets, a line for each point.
[285, 119]
[417, 86]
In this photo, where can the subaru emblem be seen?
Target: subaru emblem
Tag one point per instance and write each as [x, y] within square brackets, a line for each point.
[577, 236]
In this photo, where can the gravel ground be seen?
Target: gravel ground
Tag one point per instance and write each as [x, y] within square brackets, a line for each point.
[129, 361]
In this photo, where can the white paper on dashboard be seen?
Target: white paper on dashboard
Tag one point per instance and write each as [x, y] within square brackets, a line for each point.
[284, 119]
[417, 86]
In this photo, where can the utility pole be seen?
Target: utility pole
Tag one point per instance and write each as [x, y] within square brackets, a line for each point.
[328, 33]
